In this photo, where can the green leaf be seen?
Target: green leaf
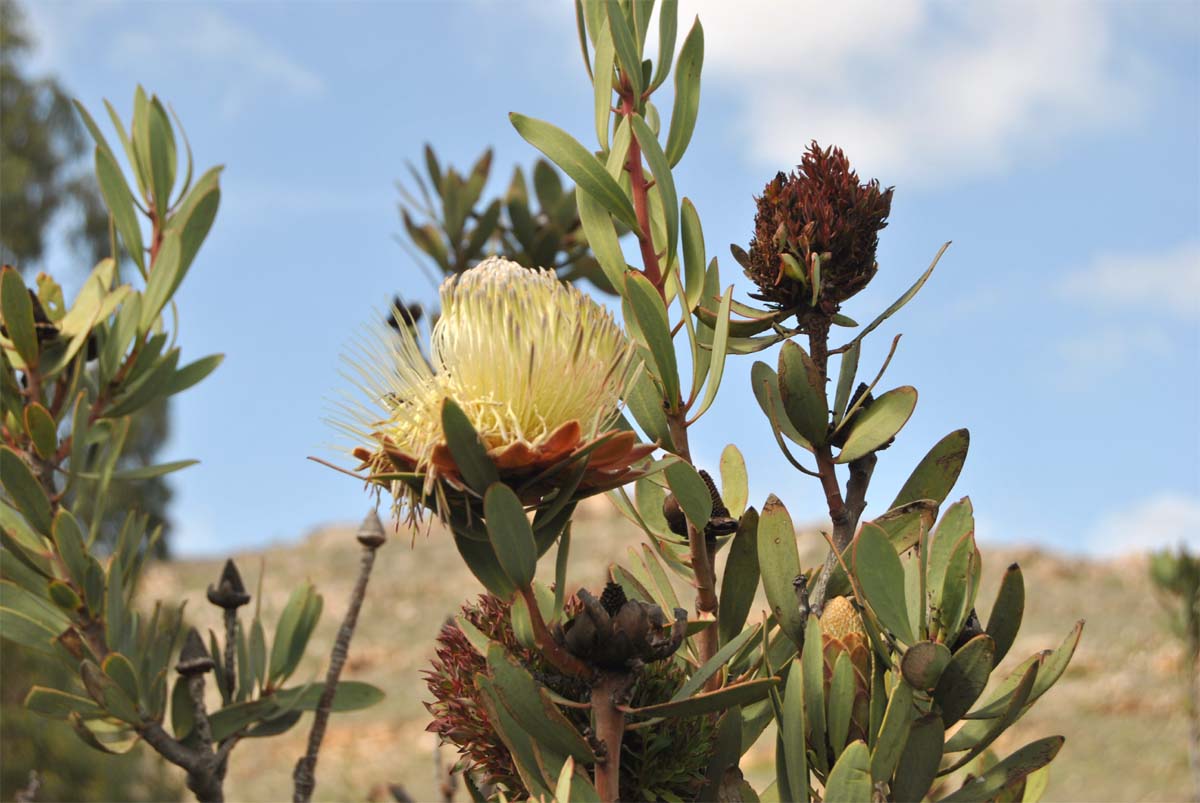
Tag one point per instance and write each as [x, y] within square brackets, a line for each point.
[533, 709]
[602, 83]
[467, 448]
[162, 156]
[57, 704]
[668, 23]
[850, 779]
[664, 182]
[792, 730]
[1035, 785]
[510, 534]
[958, 588]
[119, 201]
[713, 665]
[893, 733]
[902, 300]
[956, 522]
[740, 581]
[687, 94]
[351, 695]
[734, 484]
[286, 631]
[694, 257]
[481, 559]
[17, 307]
[847, 369]
[876, 425]
[627, 51]
[813, 661]
[149, 472]
[193, 373]
[707, 702]
[779, 565]
[24, 490]
[691, 491]
[1005, 619]
[803, 393]
[574, 160]
[119, 668]
[881, 575]
[42, 430]
[919, 762]
[1011, 714]
[258, 652]
[923, 663]
[152, 385]
[601, 237]
[840, 705]
[935, 475]
[720, 346]
[1009, 773]
[654, 332]
[105, 691]
[765, 384]
[964, 678]
[643, 399]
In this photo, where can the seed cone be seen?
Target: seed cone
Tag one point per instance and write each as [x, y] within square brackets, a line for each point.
[820, 211]
[842, 633]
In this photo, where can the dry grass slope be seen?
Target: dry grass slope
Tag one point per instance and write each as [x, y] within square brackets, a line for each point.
[1120, 704]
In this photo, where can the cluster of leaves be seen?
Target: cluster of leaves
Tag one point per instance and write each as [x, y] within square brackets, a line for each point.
[454, 226]
[72, 377]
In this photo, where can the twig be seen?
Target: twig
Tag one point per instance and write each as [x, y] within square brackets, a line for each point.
[610, 730]
[231, 651]
[371, 536]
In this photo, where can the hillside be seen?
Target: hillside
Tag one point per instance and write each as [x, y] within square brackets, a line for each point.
[1120, 704]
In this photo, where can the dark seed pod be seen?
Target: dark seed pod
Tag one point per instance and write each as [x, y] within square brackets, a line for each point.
[370, 532]
[229, 592]
[673, 513]
[193, 657]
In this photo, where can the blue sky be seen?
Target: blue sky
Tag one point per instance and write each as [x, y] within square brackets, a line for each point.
[1057, 145]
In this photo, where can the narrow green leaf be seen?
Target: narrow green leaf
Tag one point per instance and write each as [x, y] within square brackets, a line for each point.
[165, 276]
[578, 163]
[42, 430]
[628, 55]
[706, 702]
[602, 82]
[840, 705]
[654, 331]
[881, 575]
[468, 450]
[694, 257]
[162, 156]
[601, 237]
[876, 425]
[285, 631]
[533, 709]
[119, 201]
[720, 345]
[1010, 714]
[792, 730]
[24, 490]
[17, 307]
[803, 393]
[481, 559]
[964, 678]
[687, 94]
[847, 369]
[740, 580]
[734, 483]
[668, 24]
[903, 299]
[779, 565]
[57, 704]
[664, 182]
[1007, 612]
[813, 662]
[1009, 773]
[893, 733]
[644, 401]
[919, 762]
[510, 534]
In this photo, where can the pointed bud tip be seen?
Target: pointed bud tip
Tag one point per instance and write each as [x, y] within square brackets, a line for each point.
[193, 656]
[229, 592]
[370, 532]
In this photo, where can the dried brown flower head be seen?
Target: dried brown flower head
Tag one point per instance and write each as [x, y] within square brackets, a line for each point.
[819, 213]
[664, 762]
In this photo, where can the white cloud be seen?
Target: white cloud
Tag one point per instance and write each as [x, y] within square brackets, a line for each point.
[193, 38]
[1100, 353]
[918, 91]
[1167, 519]
[1166, 281]
[204, 38]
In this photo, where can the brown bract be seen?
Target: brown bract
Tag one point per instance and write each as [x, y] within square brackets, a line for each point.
[535, 470]
[819, 210]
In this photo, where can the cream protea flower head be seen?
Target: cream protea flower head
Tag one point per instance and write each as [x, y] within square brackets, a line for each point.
[537, 367]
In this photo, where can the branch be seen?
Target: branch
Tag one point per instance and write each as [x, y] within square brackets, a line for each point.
[371, 537]
[610, 731]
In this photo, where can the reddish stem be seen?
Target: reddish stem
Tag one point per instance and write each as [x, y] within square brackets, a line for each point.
[640, 187]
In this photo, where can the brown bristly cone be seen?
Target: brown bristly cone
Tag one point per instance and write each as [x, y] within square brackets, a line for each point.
[820, 210]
